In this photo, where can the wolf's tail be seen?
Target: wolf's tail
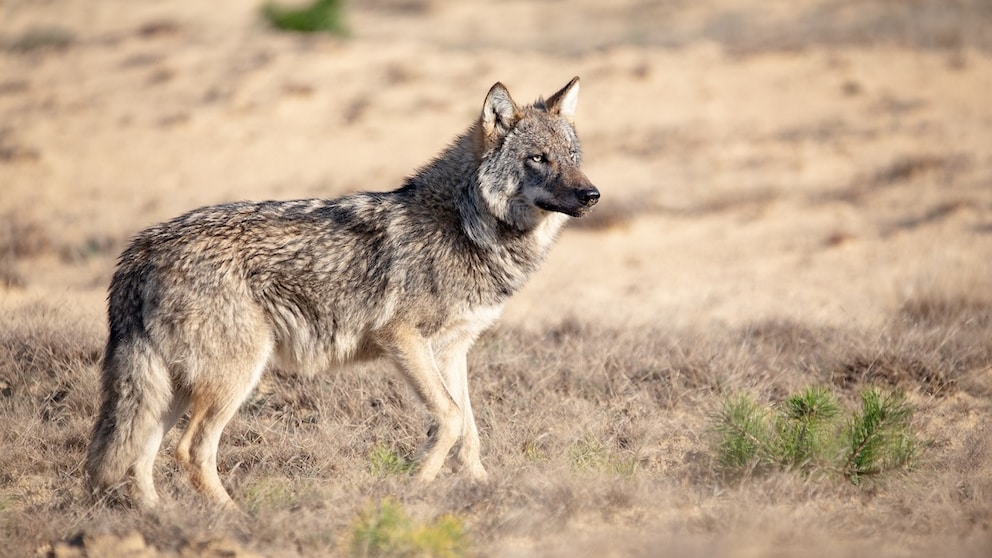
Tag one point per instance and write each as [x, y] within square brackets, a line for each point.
[137, 393]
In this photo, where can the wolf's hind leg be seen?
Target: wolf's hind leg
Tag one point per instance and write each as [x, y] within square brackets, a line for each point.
[216, 397]
[144, 467]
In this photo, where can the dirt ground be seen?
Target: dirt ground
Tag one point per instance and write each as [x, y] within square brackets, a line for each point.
[815, 162]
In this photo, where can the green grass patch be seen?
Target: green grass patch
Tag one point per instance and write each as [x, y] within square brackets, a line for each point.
[386, 461]
[268, 494]
[322, 16]
[532, 452]
[808, 432]
[44, 38]
[591, 455]
[387, 530]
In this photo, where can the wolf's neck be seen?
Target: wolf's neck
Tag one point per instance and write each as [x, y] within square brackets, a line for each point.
[525, 247]
[449, 173]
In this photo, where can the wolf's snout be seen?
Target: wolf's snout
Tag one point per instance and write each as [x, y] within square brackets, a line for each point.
[588, 196]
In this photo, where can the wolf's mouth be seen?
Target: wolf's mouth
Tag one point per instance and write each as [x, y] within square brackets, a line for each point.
[547, 206]
[570, 211]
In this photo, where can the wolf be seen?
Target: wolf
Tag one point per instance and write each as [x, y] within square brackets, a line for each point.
[201, 306]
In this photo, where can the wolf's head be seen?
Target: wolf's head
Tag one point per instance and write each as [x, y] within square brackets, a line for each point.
[530, 158]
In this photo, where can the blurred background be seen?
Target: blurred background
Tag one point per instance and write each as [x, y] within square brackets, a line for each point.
[820, 159]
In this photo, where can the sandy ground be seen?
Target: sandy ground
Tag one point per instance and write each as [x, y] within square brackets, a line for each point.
[823, 182]
[757, 160]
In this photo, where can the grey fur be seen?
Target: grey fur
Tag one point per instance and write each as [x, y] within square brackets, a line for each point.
[201, 305]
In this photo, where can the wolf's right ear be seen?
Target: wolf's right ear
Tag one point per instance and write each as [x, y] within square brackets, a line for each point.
[499, 113]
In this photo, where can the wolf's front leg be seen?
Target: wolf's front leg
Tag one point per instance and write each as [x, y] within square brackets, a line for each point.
[468, 451]
[415, 359]
[453, 362]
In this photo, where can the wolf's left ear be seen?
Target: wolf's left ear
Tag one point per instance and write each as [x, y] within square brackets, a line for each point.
[564, 101]
[499, 113]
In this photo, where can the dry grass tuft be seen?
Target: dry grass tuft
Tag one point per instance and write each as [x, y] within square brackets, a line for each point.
[937, 311]
[19, 238]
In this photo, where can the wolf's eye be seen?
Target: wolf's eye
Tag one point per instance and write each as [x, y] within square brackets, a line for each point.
[539, 158]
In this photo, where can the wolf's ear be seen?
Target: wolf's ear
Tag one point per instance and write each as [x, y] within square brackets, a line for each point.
[564, 101]
[499, 113]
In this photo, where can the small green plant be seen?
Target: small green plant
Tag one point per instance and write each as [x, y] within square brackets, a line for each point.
[269, 494]
[385, 461]
[742, 433]
[804, 425]
[806, 433]
[41, 39]
[7, 502]
[591, 455]
[878, 436]
[532, 451]
[320, 16]
[387, 530]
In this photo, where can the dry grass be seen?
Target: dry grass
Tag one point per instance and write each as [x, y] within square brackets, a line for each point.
[595, 439]
[19, 238]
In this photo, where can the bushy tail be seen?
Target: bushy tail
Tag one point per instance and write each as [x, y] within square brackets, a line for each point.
[137, 393]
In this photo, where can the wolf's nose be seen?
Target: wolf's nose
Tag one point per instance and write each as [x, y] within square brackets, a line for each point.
[589, 196]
